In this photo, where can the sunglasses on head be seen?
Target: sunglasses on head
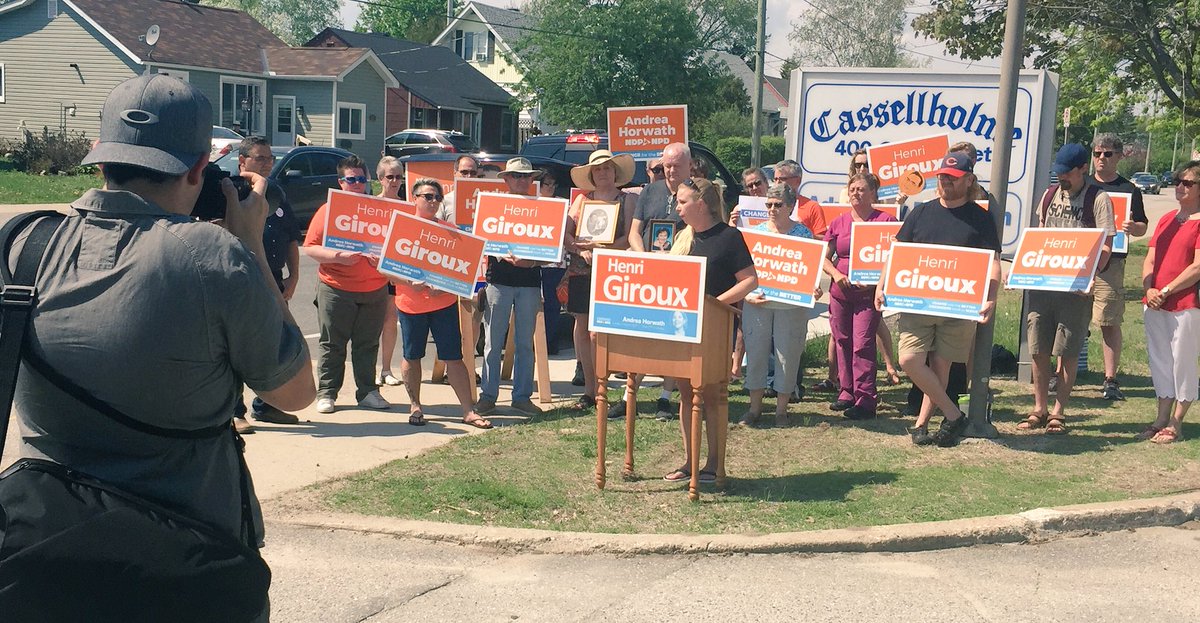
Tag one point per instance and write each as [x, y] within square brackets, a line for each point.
[430, 196]
[359, 179]
[656, 170]
[1185, 183]
[1103, 154]
[690, 183]
[393, 178]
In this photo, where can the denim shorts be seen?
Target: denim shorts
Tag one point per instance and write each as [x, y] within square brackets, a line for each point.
[442, 323]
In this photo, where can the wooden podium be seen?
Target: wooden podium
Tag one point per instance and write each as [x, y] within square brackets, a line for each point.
[704, 364]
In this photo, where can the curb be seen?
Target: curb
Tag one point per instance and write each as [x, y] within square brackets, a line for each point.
[1034, 526]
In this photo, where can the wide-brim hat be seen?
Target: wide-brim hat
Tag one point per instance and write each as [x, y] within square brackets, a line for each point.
[582, 177]
[518, 165]
[155, 122]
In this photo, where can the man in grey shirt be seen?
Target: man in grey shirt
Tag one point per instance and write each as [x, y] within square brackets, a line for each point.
[157, 315]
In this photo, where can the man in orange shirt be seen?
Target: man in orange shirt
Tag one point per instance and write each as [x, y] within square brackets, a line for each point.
[806, 211]
[352, 304]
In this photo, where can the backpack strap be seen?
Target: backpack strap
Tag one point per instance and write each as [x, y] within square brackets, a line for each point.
[1089, 205]
[1046, 199]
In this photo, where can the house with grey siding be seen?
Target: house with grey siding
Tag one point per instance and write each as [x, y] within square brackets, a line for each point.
[60, 58]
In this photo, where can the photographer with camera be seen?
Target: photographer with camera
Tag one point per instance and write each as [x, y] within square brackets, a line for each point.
[146, 324]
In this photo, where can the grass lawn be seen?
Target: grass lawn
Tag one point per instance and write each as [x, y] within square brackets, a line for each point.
[22, 188]
[823, 472]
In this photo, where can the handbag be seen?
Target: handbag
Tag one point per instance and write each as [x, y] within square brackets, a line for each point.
[74, 548]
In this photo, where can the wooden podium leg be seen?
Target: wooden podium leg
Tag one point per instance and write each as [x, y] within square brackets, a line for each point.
[630, 417]
[506, 364]
[697, 426]
[541, 359]
[722, 425]
[601, 435]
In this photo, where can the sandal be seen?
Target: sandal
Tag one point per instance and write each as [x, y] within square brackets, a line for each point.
[748, 420]
[783, 421]
[584, 403]
[417, 419]
[477, 422]
[824, 386]
[707, 477]
[1056, 426]
[1034, 420]
[680, 475]
[1148, 433]
[1164, 436]
[893, 377]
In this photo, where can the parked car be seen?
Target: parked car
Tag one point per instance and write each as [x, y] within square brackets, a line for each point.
[575, 147]
[490, 165]
[305, 173]
[412, 142]
[1168, 178]
[1146, 182]
[224, 140]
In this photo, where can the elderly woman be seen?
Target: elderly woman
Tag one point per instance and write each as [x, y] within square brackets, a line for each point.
[390, 174]
[853, 320]
[730, 276]
[772, 329]
[602, 178]
[1172, 315]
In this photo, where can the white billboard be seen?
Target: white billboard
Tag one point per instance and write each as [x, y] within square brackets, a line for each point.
[835, 111]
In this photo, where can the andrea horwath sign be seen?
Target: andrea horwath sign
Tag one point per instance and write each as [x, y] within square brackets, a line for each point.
[649, 295]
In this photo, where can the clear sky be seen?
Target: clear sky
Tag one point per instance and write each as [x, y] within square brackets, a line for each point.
[780, 16]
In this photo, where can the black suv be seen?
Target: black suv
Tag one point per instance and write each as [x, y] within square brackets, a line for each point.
[411, 142]
[575, 147]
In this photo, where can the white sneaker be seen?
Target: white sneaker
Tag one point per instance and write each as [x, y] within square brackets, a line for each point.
[374, 400]
[325, 405]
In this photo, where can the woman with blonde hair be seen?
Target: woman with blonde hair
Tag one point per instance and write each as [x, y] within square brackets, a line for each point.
[729, 277]
[390, 174]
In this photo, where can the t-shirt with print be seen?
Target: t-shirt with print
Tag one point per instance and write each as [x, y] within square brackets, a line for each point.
[1067, 211]
[656, 202]
[726, 253]
[1175, 245]
[357, 277]
[1137, 207]
[968, 225]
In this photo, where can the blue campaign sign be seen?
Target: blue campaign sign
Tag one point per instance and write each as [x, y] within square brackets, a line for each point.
[651, 295]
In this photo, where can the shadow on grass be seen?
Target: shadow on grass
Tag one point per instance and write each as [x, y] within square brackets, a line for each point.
[832, 486]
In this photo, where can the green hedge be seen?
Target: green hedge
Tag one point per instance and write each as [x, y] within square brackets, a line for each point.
[735, 151]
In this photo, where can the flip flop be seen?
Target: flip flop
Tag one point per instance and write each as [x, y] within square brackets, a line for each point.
[679, 475]
[417, 419]
[477, 422]
[707, 477]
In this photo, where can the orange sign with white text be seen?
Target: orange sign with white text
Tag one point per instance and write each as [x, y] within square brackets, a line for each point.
[647, 295]
[833, 210]
[870, 247]
[440, 170]
[359, 223]
[529, 228]
[436, 255]
[1056, 259]
[789, 268]
[643, 131]
[891, 161]
[1121, 203]
[937, 280]
[466, 189]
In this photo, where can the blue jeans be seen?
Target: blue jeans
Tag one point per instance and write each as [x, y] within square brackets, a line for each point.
[501, 303]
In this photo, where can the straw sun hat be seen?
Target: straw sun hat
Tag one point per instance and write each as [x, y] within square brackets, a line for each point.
[581, 174]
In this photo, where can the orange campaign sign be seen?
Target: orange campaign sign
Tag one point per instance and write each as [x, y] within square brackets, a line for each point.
[439, 256]
[1121, 203]
[870, 247]
[440, 170]
[1056, 259]
[643, 131]
[891, 162]
[647, 295]
[833, 210]
[937, 280]
[789, 268]
[359, 223]
[466, 189]
[530, 228]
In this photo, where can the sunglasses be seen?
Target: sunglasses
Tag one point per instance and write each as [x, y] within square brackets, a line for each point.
[469, 172]
[1103, 154]
[656, 170]
[774, 204]
[754, 184]
[860, 165]
[360, 179]
[1185, 183]
[521, 175]
[430, 196]
[393, 178]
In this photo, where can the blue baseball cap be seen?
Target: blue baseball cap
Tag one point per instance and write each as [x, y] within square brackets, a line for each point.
[1070, 156]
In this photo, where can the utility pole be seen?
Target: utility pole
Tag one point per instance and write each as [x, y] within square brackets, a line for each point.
[760, 57]
[979, 424]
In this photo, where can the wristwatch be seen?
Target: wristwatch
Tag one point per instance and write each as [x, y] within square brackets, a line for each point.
[1166, 290]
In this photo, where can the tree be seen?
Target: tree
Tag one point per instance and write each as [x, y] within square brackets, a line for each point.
[1145, 44]
[294, 21]
[588, 56]
[727, 25]
[851, 33]
[415, 20]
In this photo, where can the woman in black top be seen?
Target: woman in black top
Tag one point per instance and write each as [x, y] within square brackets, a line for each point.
[730, 277]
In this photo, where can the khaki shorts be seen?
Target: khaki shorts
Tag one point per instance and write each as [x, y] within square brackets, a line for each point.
[951, 338]
[1058, 323]
[1109, 290]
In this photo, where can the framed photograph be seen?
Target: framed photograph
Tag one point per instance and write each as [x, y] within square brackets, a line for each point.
[598, 222]
[662, 236]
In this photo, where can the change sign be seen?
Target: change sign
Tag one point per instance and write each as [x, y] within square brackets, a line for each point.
[1057, 260]
[647, 295]
[643, 131]
[359, 223]
[465, 195]
[425, 251]
[894, 164]
[530, 228]
[937, 280]
[870, 248]
[789, 268]
[1121, 203]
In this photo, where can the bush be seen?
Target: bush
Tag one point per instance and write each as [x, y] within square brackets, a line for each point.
[735, 151]
[59, 152]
